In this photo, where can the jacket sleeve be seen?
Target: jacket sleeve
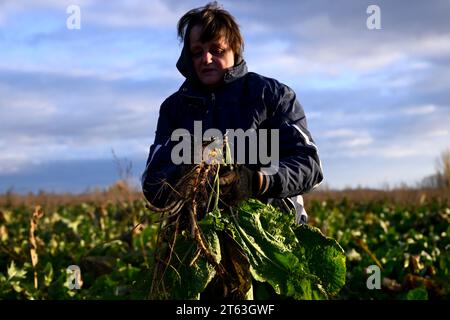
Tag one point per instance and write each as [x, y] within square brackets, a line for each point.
[299, 169]
[160, 172]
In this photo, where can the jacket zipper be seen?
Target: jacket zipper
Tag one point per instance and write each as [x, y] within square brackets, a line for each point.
[214, 113]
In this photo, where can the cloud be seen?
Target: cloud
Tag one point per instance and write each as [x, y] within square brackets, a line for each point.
[376, 101]
[133, 14]
[439, 133]
[114, 13]
[11, 8]
[328, 45]
[338, 133]
[74, 118]
[420, 110]
[347, 138]
[69, 176]
[357, 142]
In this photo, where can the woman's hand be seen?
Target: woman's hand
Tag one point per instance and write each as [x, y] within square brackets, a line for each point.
[239, 184]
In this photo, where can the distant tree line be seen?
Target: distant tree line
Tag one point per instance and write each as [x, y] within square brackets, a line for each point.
[440, 179]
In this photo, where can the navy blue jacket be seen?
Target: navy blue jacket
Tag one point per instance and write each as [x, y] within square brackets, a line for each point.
[245, 100]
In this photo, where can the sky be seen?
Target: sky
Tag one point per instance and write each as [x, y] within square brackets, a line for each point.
[78, 104]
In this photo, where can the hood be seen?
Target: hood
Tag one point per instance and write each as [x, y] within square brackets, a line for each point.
[186, 67]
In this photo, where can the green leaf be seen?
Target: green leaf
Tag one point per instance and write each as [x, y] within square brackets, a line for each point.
[277, 254]
[14, 272]
[48, 274]
[324, 256]
[417, 294]
[183, 280]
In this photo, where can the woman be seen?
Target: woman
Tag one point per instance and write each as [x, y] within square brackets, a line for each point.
[220, 93]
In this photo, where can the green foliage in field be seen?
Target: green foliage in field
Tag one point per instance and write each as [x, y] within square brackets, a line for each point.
[115, 262]
[409, 242]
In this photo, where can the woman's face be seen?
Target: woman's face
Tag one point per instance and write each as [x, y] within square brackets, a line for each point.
[211, 59]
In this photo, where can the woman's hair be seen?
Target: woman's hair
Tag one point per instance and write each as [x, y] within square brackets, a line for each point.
[215, 22]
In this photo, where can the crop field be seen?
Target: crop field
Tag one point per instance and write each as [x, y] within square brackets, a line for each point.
[393, 249]
[409, 243]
